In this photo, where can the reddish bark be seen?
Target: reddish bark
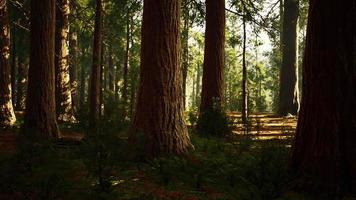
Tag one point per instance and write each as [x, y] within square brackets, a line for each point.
[289, 91]
[159, 111]
[95, 81]
[324, 152]
[63, 85]
[213, 71]
[40, 116]
[7, 115]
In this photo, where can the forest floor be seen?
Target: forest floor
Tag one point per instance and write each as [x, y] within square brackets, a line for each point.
[251, 164]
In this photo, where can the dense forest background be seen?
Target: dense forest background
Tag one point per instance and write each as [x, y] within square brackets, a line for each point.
[177, 99]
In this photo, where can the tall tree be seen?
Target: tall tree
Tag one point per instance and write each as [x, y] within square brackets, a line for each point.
[289, 91]
[95, 78]
[324, 151]
[64, 106]
[126, 59]
[159, 111]
[244, 109]
[22, 72]
[73, 44]
[7, 115]
[185, 47]
[40, 117]
[213, 71]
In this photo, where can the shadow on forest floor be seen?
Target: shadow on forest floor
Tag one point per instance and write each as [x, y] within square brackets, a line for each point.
[242, 166]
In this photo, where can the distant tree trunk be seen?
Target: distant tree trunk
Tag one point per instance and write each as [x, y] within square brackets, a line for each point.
[22, 83]
[22, 75]
[73, 43]
[281, 14]
[111, 75]
[185, 54]
[102, 77]
[40, 117]
[13, 66]
[64, 106]
[213, 71]
[7, 115]
[244, 109]
[126, 59]
[289, 91]
[95, 85]
[117, 86]
[324, 153]
[133, 75]
[159, 111]
[82, 83]
[198, 86]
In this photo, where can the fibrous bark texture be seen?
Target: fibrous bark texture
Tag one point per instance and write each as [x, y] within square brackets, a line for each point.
[159, 111]
[40, 117]
[324, 151]
[63, 85]
[213, 71]
[73, 43]
[289, 91]
[95, 78]
[7, 115]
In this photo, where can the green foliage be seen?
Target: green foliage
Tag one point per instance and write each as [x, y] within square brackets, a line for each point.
[102, 151]
[40, 169]
[214, 122]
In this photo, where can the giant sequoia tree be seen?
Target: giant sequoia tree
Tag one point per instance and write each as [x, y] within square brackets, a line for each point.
[325, 151]
[213, 71]
[289, 91]
[159, 112]
[40, 117]
[63, 85]
[7, 115]
[95, 77]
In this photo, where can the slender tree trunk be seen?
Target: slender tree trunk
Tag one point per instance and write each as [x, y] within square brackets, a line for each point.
[281, 16]
[198, 86]
[126, 61]
[117, 86]
[82, 83]
[289, 91]
[95, 86]
[102, 78]
[22, 76]
[111, 75]
[185, 54]
[159, 111]
[73, 43]
[7, 115]
[40, 117]
[14, 63]
[244, 109]
[64, 106]
[213, 72]
[324, 152]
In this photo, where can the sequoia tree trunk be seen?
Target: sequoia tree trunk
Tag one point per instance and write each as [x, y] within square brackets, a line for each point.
[64, 106]
[95, 85]
[159, 112]
[40, 116]
[73, 43]
[7, 115]
[289, 91]
[324, 152]
[213, 71]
